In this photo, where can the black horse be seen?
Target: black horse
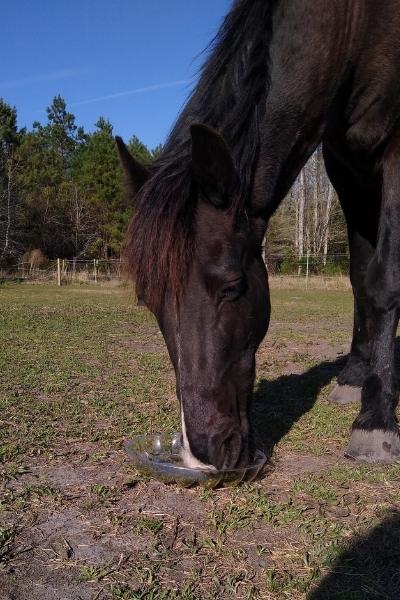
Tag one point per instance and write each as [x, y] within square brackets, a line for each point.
[282, 77]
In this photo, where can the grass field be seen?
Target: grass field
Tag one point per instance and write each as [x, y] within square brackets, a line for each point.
[81, 369]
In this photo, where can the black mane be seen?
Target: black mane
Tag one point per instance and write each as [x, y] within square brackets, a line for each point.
[230, 97]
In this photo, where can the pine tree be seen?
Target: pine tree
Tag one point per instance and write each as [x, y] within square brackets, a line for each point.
[9, 141]
[97, 173]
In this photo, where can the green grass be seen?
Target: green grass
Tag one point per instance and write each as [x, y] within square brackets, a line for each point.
[63, 368]
[63, 375]
[82, 366]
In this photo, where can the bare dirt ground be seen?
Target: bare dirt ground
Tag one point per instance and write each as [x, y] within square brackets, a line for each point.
[82, 369]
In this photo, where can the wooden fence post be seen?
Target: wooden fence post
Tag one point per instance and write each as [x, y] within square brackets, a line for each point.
[95, 269]
[58, 272]
[307, 269]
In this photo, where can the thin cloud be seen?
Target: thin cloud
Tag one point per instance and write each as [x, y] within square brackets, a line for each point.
[45, 77]
[142, 90]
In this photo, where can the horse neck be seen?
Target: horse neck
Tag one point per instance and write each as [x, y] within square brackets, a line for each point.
[303, 91]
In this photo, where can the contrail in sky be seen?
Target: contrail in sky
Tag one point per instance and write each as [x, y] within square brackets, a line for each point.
[33, 79]
[143, 90]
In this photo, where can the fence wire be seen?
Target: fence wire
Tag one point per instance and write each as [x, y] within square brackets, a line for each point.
[309, 264]
[98, 270]
[69, 271]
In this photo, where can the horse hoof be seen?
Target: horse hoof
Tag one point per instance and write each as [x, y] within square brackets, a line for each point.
[376, 446]
[345, 394]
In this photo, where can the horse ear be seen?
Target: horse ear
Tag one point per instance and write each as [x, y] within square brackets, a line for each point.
[136, 174]
[212, 166]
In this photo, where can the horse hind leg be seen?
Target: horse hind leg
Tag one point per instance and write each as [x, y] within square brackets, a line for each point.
[375, 434]
[360, 208]
[351, 379]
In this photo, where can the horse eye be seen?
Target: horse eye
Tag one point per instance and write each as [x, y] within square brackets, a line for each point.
[230, 290]
[234, 289]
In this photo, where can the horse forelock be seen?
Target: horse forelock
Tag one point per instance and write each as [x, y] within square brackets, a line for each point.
[230, 97]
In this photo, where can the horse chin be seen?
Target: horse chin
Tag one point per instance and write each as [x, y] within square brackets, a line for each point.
[227, 452]
[190, 461]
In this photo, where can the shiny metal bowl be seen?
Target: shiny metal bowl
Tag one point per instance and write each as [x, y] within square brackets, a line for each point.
[159, 455]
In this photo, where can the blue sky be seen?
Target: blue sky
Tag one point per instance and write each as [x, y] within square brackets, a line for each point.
[131, 61]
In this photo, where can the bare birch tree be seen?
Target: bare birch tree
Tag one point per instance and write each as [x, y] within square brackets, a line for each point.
[312, 202]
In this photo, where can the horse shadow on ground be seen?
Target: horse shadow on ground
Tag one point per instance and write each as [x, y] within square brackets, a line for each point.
[368, 568]
[279, 404]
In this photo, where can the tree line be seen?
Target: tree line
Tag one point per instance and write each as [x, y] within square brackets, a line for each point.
[61, 192]
[61, 189]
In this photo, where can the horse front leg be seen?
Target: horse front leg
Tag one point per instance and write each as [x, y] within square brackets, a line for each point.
[375, 435]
